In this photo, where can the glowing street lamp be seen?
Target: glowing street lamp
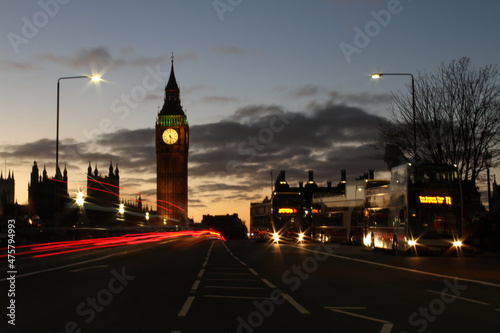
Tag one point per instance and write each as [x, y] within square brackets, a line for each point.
[377, 76]
[80, 201]
[121, 209]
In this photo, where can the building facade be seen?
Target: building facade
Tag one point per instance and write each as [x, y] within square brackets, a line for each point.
[48, 198]
[103, 196]
[172, 147]
[7, 193]
[7, 189]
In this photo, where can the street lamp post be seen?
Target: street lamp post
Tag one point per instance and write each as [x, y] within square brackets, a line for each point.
[94, 78]
[487, 161]
[378, 75]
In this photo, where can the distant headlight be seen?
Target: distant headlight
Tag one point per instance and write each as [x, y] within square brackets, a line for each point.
[276, 236]
[301, 237]
[457, 243]
[412, 242]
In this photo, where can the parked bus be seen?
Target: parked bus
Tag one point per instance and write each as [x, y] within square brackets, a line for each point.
[287, 216]
[260, 220]
[339, 217]
[421, 209]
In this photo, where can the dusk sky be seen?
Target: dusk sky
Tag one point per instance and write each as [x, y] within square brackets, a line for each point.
[266, 85]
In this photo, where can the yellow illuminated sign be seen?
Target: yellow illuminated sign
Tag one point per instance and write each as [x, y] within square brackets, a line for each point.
[435, 199]
[287, 210]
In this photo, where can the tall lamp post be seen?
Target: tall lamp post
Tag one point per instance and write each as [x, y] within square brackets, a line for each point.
[487, 161]
[377, 76]
[95, 78]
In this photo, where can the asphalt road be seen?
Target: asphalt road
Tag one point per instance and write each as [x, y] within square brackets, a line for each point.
[202, 284]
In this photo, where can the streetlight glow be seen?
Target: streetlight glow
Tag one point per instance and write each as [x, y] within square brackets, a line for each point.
[121, 208]
[376, 76]
[79, 199]
[95, 78]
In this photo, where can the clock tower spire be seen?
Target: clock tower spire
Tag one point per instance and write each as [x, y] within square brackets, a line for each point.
[172, 148]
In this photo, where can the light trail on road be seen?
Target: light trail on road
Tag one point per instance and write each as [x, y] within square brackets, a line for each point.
[57, 248]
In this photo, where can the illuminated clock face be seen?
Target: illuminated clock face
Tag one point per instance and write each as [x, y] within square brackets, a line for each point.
[170, 136]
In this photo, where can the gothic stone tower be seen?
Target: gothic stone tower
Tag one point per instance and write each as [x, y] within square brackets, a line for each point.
[172, 146]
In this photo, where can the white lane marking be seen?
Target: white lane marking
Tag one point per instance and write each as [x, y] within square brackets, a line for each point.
[232, 280]
[239, 297]
[462, 298]
[386, 327]
[241, 262]
[195, 285]
[490, 284]
[293, 302]
[65, 266]
[226, 273]
[200, 274]
[186, 306]
[90, 267]
[253, 272]
[230, 287]
[269, 284]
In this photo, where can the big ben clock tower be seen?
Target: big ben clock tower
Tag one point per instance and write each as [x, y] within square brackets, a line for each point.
[172, 146]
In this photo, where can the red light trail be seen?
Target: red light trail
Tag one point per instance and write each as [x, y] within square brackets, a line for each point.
[57, 248]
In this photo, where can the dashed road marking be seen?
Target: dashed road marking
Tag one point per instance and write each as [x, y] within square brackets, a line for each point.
[186, 306]
[293, 302]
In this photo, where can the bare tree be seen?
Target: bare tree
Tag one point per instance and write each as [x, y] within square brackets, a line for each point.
[457, 117]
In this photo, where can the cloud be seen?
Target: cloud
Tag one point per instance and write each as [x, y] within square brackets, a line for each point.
[228, 50]
[231, 159]
[360, 98]
[219, 99]
[309, 90]
[100, 60]
[18, 66]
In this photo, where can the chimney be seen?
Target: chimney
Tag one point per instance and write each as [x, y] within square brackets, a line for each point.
[343, 177]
